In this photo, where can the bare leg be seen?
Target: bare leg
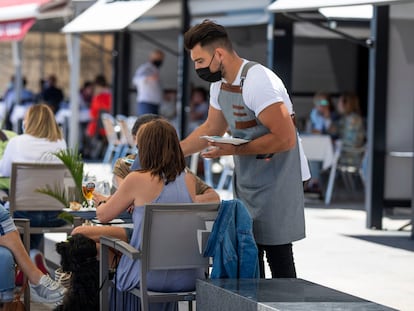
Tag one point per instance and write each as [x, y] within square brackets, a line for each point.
[95, 232]
[13, 242]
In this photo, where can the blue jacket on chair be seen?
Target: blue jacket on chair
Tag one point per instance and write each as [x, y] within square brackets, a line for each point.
[231, 243]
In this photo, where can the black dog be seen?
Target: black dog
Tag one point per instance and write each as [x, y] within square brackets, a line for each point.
[78, 255]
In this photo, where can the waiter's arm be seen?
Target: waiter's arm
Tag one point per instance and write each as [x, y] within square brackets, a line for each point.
[214, 125]
[282, 135]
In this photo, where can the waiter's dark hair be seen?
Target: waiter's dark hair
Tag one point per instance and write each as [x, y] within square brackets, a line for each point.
[207, 33]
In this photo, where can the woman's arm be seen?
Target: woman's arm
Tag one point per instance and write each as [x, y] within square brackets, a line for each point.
[119, 201]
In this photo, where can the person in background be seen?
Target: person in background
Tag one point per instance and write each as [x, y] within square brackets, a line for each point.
[9, 87]
[85, 99]
[350, 129]
[51, 94]
[148, 84]
[41, 138]
[101, 102]
[252, 101]
[322, 119]
[42, 287]
[15, 111]
[323, 114]
[86, 95]
[198, 108]
[168, 107]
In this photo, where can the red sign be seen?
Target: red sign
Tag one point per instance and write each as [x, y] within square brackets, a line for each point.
[8, 3]
[15, 30]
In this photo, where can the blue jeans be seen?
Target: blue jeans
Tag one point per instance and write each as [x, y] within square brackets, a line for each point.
[147, 107]
[40, 219]
[7, 270]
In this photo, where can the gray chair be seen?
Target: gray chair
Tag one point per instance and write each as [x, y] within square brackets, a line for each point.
[26, 178]
[348, 171]
[173, 237]
[115, 145]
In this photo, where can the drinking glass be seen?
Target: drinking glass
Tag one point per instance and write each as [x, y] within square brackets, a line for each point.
[103, 187]
[88, 187]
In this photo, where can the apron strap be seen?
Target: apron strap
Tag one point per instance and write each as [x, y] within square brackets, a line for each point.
[244, 72]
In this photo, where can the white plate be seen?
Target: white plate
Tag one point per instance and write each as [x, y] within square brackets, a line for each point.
[82, 209]
[225, 140]
[113, 221]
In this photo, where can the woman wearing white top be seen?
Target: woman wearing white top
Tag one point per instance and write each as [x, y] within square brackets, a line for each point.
[42, 137]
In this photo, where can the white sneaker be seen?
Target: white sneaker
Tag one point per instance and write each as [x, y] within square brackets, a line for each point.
[63, 278]
[47, 291]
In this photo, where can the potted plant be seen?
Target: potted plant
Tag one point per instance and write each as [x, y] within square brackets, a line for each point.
[72, 160]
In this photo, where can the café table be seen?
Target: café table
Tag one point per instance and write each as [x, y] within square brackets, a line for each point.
[89, 214]
[318, 148]
[276, 295]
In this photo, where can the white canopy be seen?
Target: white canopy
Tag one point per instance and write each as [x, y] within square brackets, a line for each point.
[310, 5]
[107, 15]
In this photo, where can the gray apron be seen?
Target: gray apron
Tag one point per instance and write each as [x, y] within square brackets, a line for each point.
[269, 185]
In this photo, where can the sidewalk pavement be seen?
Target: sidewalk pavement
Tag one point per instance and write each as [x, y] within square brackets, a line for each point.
[339, 252]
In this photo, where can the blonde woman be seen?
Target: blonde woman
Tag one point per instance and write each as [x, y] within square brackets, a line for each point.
[42, 137]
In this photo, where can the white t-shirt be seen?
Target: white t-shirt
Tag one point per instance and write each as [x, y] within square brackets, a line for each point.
[148, 84]
[261, 88]
[27, 148]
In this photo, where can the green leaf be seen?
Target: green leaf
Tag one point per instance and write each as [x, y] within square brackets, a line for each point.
[66, 217]
[72, 160]
[57, 193]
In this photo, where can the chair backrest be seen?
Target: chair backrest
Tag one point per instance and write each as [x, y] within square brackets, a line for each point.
[109, 124]
[126, 136]
[172, 233]
[27, 177]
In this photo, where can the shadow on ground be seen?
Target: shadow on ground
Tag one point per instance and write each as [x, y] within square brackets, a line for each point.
[402, 241]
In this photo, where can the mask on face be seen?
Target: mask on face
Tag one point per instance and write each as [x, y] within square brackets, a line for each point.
[207, 75]
[157, 63]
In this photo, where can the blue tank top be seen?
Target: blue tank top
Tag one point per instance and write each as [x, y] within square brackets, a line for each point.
[128, 272]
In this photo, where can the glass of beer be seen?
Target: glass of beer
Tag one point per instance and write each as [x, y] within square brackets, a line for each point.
[88, 187]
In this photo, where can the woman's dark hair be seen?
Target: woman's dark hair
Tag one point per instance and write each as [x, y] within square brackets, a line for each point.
[159, 150]
[142, 119]
[207, 33]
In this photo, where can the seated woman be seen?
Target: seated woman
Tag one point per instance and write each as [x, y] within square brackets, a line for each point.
[161, 179]
[204, 193]
[322, 119]
[42, 287]
[42, 137]
[351, 130]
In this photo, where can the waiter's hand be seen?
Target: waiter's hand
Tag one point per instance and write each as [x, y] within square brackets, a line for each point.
[216, 150]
